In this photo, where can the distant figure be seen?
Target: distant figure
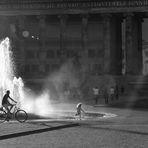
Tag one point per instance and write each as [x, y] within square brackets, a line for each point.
[96, 94]
[106, 95]
[79, 110]
[116, 92]
[67, 94]
[112, 93]
[6, 103]
[122, 89]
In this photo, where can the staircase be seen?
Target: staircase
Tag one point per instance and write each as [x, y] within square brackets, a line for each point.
[139, 86]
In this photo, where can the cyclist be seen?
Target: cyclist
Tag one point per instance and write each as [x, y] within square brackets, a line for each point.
[6, 103]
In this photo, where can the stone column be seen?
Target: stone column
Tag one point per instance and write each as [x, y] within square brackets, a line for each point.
[42, 25]
[138, 52]
[42, 52]
[112, 45]
[107, 43]
[13, 28]
[63, 20]
[133, 45]
[85, 32]
[84, 38]
[116, 46]
[21, 28]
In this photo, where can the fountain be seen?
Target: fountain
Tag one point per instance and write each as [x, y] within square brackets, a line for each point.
[7, 77]
[8, 81]
[36, 104]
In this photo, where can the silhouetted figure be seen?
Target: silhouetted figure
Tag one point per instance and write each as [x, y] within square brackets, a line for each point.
[79, 110]
[96, 94]
[116, 92]
[76, 61]
[122, 89]
[106, 95]
[6, 103]
[112, 93]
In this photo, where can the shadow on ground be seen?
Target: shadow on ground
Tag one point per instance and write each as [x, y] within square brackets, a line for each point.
[115, 129]
[14, 135]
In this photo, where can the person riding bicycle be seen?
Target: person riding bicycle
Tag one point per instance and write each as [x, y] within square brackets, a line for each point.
[5, 102]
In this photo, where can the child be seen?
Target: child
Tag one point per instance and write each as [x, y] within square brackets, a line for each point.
[79, 110]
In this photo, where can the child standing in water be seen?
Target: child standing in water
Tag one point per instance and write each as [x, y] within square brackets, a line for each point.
[79, 110]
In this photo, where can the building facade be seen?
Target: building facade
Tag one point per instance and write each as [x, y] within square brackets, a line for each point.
[46, 33]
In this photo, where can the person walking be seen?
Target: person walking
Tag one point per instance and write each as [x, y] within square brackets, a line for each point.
[112, 93]
[96, 94]
[116, 92]
[106, 95]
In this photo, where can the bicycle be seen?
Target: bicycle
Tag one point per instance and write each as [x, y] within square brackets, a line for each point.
[17, 114]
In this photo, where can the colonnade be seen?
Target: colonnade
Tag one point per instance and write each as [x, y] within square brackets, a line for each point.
[112, 40]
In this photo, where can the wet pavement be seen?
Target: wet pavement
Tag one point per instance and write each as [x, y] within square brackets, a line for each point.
[128, 129]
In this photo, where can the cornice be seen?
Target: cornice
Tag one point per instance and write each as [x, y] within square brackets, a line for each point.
[57, 4]
[76, 6]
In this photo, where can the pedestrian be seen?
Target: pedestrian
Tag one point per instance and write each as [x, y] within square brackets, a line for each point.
[122, 89]
[116, 92]
[96, 94]
[112, 93]
[106, 95]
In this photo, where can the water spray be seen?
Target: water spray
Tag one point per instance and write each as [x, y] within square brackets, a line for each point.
[29, 101]
[8, 81]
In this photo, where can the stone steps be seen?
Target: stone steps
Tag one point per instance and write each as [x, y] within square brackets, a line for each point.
[140, 87]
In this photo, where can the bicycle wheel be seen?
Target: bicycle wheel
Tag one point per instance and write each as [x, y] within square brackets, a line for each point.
[21, 116]
[3, 116]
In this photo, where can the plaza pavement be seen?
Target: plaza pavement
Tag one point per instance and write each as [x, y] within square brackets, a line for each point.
[129, 129]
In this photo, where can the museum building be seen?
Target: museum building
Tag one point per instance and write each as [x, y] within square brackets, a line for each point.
[105, 35]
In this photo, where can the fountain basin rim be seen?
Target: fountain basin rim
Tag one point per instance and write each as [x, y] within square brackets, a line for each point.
[70, 115]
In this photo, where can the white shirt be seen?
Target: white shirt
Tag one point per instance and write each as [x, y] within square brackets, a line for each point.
[96, 91]
[112, 90]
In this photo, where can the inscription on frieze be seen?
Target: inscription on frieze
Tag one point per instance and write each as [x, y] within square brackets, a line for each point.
[59, 4]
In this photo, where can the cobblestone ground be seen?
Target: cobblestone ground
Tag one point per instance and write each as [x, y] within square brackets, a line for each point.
[129, 129]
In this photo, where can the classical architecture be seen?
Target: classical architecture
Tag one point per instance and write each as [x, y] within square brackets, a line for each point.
[105, 35]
